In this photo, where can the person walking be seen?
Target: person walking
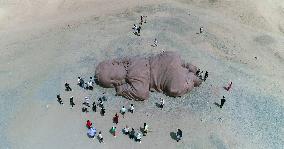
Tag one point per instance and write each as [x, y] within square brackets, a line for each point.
[101, 139]
[67, 87]
[123, 110]
[155, 42]
[223, 100]
[115, 119]
[72, 101]
[131, 108]
[132, 134]
[81, 82]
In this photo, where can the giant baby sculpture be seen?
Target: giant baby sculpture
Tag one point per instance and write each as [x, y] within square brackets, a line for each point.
[134, 77]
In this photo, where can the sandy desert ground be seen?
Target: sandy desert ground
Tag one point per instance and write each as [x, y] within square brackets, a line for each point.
[45, 43]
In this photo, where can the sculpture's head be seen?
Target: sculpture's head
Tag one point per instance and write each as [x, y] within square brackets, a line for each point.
[110, 73]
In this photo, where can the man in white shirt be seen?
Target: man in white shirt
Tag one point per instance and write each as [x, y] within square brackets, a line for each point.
[131, 108]
[123, 110]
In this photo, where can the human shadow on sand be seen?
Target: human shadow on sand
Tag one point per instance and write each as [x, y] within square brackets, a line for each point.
[217, 104]
[173, 135]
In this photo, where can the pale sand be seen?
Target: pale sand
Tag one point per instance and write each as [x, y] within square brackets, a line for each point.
[39, 52]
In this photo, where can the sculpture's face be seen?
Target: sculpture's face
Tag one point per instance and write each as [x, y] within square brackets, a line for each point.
[110, 73]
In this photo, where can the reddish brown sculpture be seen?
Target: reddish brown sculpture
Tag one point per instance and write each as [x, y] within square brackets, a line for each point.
[134, 77]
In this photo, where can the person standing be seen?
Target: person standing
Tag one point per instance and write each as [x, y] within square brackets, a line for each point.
[179, 135]
[80, 82]
[113, 131]
[123, 110]
[141, 20]
[223, 100]
[103, 111]
[145, 129]
[162, 103]
[155, 42]
[197, 72]
[201, 30]
[126, 130]
[72, 101]
[132, 134]
[94, 107]
[138, 30]
[205, 75]
[89, 124]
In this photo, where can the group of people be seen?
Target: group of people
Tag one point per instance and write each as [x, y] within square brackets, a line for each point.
[86, 85]
[202, 75]
[92, 132]
[137, 29]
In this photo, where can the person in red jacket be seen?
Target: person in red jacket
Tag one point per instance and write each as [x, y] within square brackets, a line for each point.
[115, 118]
[89, 124]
